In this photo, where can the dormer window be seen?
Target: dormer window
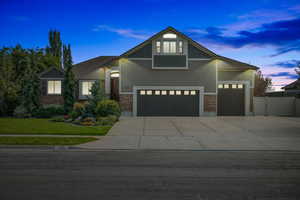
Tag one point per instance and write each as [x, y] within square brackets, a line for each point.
[169, 47]
[168, 44]
[170, 36]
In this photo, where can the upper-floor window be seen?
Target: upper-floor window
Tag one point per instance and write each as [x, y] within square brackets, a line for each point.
[170, 35]
[158, 48]
[180, 47]
[169, 47]
[54, 87]
[169, 43]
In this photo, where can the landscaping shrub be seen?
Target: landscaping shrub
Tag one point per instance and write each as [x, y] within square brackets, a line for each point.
[49, 111]
[79, 108]
[73, 115]
[88, 121]
[21, 112]
[107, 121]
[108, 107]
[58, 119]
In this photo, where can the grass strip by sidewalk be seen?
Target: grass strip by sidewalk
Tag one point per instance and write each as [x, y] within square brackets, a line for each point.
[10, 140]
[46, 127]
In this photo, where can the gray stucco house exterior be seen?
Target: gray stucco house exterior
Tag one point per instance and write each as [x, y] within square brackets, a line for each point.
[167, 75]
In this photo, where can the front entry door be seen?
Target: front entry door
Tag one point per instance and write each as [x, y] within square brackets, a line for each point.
[114, 88]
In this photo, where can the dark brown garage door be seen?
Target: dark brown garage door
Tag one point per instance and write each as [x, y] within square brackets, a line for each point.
[167, 103]
[231, 99]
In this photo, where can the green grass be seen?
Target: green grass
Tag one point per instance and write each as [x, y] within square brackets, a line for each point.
[10, 140]
[44, 126]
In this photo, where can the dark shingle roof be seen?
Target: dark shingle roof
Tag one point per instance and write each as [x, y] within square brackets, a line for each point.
[294, 85]
[97, 62]
[196, 44]
[52, 72]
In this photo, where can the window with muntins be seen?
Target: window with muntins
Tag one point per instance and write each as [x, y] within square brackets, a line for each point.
[169, 47]
[54, 87]
[158, 46]
[86, 87]
[169, 44]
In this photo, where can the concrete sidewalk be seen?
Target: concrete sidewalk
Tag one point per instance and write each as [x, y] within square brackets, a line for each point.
[42, 135]
[202, 133]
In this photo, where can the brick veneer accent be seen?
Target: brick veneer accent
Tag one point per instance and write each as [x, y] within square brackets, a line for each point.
[210, 103]
[51, 99]
[126, 102]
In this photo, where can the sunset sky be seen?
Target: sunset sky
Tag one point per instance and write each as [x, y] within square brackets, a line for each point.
[265, 33]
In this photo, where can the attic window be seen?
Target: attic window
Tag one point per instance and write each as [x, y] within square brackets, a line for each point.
[170, 35]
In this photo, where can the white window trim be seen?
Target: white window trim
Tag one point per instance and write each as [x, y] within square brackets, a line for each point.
[198, 88]
[81, 96]
[58, 94]
[184, 53]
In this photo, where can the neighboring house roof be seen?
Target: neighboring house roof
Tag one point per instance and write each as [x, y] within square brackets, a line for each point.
[293, 86]
[52, 72]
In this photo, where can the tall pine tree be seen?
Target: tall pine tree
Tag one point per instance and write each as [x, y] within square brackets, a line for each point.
[69, 80]
[31, 83]
[55, 47]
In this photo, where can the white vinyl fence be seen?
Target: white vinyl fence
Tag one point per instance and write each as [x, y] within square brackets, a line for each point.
[298, 107]
[279, 106]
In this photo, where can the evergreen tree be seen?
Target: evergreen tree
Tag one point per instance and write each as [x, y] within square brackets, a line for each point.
[8, 87]
[31, 83]
[97, 95]
[69, 80]
[55, 47]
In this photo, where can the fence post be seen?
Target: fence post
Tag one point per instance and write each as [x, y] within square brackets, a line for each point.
[266, 106]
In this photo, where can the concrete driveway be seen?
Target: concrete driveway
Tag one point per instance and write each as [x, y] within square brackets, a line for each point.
[202, 133]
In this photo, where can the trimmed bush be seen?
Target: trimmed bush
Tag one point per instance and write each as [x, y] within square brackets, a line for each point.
[108, 107]
[79, 108]
[107, 121]
[21, 112]
[49, 111]
[73, 115]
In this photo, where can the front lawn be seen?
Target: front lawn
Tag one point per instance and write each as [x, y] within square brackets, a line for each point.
[44, 126]
[8, 140]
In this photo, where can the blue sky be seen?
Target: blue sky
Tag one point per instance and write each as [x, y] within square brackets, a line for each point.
[265, 33]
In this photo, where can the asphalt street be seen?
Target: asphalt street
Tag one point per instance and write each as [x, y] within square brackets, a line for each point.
[138, 175]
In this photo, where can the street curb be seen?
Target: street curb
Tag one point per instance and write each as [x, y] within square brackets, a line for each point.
[74, 148]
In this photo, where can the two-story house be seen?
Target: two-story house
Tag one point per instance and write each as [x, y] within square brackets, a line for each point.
[167, 75]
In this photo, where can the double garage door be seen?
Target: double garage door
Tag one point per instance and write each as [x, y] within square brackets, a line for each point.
[168, 103]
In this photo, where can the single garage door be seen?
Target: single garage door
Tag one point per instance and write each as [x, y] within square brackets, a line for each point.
[167, 103]
[231, 99]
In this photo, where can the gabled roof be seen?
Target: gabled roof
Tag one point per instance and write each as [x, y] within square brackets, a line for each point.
[196, 44]
[52, 72]
[294, 85]
[167, 30]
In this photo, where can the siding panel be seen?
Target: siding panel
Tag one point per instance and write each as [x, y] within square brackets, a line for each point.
[140, 73]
